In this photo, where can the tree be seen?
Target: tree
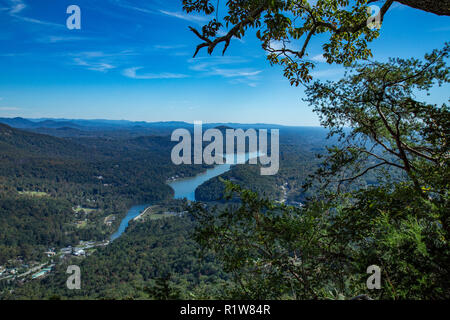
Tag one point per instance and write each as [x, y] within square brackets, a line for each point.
[390, 126]
[163, 289]
[401, 224]
[286, 27]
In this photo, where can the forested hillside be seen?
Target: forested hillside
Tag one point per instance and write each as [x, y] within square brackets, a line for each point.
[49, 176]
[139, 265]
[61, 190]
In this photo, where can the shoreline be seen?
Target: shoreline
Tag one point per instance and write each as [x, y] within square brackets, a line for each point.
[143, 212]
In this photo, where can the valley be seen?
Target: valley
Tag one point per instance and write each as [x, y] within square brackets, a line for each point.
[96, 180]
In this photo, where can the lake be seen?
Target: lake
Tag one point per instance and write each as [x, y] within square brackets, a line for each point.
[183, 188]
[131, 214]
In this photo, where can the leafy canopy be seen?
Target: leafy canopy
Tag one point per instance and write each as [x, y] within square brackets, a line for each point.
[323, 249]
[286, 28]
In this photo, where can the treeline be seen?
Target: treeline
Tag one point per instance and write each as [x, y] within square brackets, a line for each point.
[153, 260]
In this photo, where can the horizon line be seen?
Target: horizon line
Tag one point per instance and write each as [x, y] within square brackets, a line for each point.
[160, 121]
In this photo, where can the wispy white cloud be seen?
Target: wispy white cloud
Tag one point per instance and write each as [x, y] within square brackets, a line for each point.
[15, 9]
[222, 33]
[132, 7]
[169, 47]
[328, 73]
[17, 6]
[233, 73]
[247, 82]
[94, 66]
[56, 39]
[226, 67]
[132, 73]
[102, 61]
[207, 63]
[37, 21]
[173, 49]
[319, 58]
[278, 45]
[181, 54]
[184, 16]
[103, 54]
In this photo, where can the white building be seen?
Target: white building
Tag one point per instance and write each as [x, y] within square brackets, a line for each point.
[79, 252]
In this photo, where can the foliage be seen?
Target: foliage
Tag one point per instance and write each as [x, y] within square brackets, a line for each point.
[105, 176]
[402, 225]
[286, 27]
[390, 126]
[155, 259]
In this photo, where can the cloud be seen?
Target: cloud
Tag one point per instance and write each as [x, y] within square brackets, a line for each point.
[132, 7]
[169, 47]
[56, 39]
[102, 54]
[233, 73]
[328, 73]
[17, 6]
[278, 45]
[215, 66]
[94, 66]
[184, 16]
[207, 63]
[222, 33]
[319, 58]
[131, 73]
[37, 21]
[247, 82]
[102, 61]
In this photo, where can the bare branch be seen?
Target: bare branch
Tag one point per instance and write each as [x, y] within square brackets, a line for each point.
[211, 44]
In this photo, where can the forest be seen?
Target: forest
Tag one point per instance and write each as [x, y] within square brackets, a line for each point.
[367, 190]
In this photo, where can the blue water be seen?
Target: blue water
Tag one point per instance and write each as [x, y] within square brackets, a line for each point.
[132, 213]
[184, 188]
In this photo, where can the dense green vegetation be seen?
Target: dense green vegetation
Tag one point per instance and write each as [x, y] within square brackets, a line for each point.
[29, 226]
[379, 195]
[105, 176]
[146, 257]
[213, 190]
[400, 224]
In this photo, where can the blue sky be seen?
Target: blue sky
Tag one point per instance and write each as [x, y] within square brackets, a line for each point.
[133, 60]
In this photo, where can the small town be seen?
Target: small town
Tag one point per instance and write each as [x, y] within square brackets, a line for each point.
[37, 270]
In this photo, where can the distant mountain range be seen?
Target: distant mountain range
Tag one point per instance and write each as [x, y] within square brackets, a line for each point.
[23, 123]
[124, 129]
[81, 124]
